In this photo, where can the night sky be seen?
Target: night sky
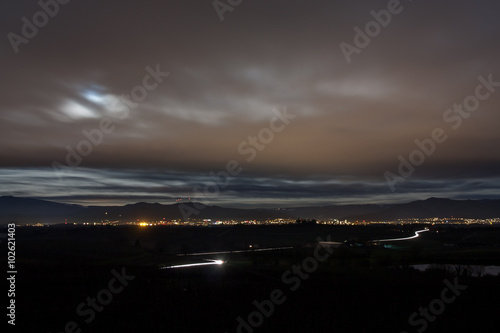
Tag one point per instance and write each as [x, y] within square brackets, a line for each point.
[345, 123]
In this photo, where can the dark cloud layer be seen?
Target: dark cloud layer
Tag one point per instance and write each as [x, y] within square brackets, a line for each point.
[225, 78]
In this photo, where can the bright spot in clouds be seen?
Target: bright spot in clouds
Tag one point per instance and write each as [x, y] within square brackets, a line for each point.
[94, 97]
[76, 110]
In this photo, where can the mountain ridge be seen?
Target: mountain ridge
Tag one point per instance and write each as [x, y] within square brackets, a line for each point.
[31, 210]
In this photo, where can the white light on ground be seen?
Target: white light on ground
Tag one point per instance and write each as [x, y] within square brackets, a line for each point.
[209, 262]
[417, 234]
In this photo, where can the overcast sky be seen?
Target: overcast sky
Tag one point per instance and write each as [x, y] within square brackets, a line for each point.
[227, 79]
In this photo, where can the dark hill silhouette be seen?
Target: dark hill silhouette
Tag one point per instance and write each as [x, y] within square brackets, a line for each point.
[29, 210]
[333, 211]
[436, 207]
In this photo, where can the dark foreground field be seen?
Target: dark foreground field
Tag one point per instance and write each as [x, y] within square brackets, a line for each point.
[355, 288]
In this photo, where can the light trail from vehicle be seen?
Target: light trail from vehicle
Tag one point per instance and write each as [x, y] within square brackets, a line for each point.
[210, 262]
[417, 234]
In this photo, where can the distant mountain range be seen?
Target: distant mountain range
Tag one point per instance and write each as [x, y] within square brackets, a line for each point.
[28, 210]
[436, 207]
